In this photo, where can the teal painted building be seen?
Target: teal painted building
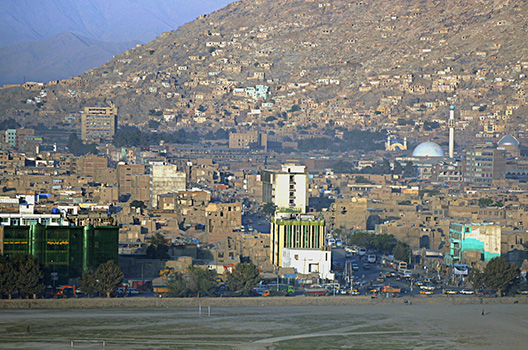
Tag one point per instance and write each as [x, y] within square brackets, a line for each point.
[473, 242]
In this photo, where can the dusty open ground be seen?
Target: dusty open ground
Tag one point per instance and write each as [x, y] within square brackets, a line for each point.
[382, 326]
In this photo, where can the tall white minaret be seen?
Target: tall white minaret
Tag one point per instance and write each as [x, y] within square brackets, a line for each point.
[451, 125]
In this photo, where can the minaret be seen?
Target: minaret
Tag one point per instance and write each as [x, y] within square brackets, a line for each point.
[451, 125]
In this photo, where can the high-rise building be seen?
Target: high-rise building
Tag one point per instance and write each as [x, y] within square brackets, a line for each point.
[484, 164]
[126, 174]
[286, 188]
[68, 251]
[98, 123]
[290, 229]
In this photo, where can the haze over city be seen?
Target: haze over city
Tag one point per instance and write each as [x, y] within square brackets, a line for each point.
[254, 174]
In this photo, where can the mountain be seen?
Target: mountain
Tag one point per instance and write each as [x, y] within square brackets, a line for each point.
[99, 29]
[58, 57]
[297, 67]
[103, 20]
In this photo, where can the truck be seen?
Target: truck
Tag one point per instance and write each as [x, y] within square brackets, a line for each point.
[315, 290]
[392, 291]
[161, 291]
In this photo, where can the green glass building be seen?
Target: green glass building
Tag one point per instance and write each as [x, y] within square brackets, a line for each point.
[66, 250]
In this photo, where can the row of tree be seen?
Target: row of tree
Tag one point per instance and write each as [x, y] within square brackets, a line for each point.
[104, 280]
[197, 282]
[498, 275]
[20, 274]
[384, 244]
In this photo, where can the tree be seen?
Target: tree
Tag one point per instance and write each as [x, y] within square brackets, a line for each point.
[408, 170]
[501, 275]
[157, 239]
[397, 168]
[485, 202]
[269, 209]
[9, 124]
[137, 204]
[157, 249]
[476, 278]
[245, 277]
[196, 282]
[78, 148]
[177, 285]
[108, 277]
[343, 167]
[201, 281]
[401, 251]
[88, 283]
[29, 275]
[7, 277]
[384, 243]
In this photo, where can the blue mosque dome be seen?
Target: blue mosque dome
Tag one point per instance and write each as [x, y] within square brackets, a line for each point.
[428, 149]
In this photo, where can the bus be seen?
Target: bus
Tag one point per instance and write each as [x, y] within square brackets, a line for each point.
[402, 266]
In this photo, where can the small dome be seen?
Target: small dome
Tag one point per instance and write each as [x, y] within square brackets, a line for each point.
[428, 149]
[508, 140]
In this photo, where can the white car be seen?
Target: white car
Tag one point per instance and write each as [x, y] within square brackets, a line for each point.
[467, 291]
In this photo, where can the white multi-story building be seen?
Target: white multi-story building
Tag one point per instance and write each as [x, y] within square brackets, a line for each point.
[309, 261]
[286, 188]
[166, 179]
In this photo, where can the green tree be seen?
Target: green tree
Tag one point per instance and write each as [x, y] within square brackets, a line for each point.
[29, 275]
[195, 282]
[245, 277]
[361, 239]
[401, 251]
[269, 209]
[476, 278]
[384, 243]
[158, 248]
[9, 124]
[360, 179]
[408, 170]
[88, 283]
[78, 148]
[397, 169]
[485, 202]
[201, 282]
[501, 275]
[137, 204]
[108, 277]
[177, 284]
[7, 277]
[343, 167]
[157, 239]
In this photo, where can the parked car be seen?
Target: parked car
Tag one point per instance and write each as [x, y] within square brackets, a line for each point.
[467, 291]
[133, 291]
[450, 291]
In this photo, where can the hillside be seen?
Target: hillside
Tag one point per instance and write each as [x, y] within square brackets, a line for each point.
[296, 66]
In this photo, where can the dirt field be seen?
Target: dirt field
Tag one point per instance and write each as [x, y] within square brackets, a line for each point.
[383, 326]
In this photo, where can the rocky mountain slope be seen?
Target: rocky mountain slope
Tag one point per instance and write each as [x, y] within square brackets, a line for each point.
[377, 64]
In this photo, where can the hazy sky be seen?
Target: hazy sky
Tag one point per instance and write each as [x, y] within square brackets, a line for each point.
[105, 20]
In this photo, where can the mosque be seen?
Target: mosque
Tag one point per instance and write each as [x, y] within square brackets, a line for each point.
[432, 164]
